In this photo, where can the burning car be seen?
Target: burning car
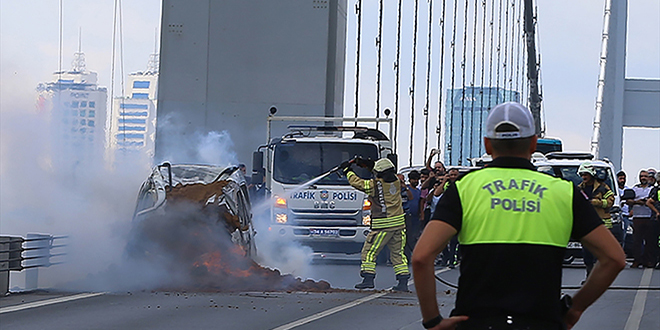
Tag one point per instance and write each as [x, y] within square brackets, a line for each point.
[195, 222]
[200, 196]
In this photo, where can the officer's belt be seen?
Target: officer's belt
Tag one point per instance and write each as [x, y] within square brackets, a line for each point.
[507, 322]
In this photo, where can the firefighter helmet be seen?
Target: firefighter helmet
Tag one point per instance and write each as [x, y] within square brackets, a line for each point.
[587, 167]
[383, 165]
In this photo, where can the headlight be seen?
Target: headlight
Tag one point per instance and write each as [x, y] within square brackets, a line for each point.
[366, 220]
[281, 218]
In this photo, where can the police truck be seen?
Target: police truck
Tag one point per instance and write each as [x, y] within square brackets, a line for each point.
[307, 201]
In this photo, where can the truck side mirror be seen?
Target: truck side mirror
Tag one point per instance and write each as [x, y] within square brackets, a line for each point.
[257, 167]
[394, 159]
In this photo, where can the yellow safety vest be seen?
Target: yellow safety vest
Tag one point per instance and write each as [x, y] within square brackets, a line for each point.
[515, 206]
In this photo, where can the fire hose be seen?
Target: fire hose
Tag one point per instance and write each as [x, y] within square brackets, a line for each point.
[569, 287]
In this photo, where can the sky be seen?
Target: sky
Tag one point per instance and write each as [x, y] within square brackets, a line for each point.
[569, 33]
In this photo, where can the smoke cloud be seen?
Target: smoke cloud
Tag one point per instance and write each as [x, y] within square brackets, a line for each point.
[47, 189]
[181, 145]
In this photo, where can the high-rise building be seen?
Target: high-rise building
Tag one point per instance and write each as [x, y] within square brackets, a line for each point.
[133, 118]
[465, 120]
[76, 108]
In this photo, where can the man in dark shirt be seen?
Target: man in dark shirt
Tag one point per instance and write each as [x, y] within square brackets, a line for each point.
[513, 224]
[412, 208]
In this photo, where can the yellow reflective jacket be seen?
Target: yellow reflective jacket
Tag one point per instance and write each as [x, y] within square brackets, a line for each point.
[602, 199]
[385, 198]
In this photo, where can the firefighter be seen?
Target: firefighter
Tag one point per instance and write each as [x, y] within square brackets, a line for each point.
[602, 198]
[387, 221]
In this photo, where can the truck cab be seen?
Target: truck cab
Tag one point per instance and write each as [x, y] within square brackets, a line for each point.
[325, 214]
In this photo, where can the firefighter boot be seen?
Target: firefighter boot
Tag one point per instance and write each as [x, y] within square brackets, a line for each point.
[367, 281]
[403, 283]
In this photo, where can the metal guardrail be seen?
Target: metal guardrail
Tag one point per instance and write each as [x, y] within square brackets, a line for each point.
[29, 253]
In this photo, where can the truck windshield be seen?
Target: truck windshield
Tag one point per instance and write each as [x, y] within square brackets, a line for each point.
[603, 174]
[299, 162]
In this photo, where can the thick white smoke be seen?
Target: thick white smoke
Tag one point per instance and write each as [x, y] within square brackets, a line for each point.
[92, 202]
[86, 200]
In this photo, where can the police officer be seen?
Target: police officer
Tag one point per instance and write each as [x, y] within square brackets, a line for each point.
[513, 224]
[387, 222]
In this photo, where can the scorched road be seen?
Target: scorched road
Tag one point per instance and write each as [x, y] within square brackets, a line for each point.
[624, 308]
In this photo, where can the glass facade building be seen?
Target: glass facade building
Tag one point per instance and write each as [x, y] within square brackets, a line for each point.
[465, 119]
[133, 119]
[75, 107]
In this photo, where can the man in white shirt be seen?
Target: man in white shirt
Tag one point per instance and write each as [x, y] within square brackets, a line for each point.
[643, 228]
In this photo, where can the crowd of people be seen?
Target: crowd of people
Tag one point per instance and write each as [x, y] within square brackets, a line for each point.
[513, 224]
[511, 247]
[639, 209]
[420, 197]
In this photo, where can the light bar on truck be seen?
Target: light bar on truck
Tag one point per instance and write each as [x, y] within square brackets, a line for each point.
[328, 128]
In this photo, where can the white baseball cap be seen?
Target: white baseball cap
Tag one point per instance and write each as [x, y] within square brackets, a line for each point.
[511, 113]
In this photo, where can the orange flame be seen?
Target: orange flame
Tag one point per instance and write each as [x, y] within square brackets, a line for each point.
[218, 264]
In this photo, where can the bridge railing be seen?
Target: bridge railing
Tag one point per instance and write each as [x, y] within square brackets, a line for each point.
[29, 253]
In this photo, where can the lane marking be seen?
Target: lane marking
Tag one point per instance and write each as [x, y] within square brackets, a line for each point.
[635, 317]
[48, 302]
[330, 311]
[340, 308]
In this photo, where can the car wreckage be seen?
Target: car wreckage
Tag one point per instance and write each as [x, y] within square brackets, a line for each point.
[196, 222]
[215, 198]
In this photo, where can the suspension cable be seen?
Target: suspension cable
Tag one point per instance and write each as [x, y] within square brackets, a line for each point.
[483, 61]
[428, 81]
[412, 88]
[112, 64]
[465, 34]
[506, 49]
[499, 53]
[121, 70]
[397, 77]
[451, 90]
[379, 44]
[59, 65]
[513, 37]
[121, 50]
[440, 83]
[519, 36]
[540, 75]
[358, 12]
[474, 63]
[490, 65]
[525, 79]
[595, 138]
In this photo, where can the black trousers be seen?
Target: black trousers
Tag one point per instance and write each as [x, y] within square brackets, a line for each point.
[588, 258]
[645, 242]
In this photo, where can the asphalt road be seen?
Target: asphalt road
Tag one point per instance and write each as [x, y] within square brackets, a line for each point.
[617, 309]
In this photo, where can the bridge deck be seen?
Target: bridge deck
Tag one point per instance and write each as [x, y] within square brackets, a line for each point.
[617, 309]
